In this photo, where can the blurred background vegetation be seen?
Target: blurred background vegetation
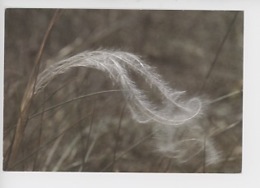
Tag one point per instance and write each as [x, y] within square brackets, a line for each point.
[200, 52]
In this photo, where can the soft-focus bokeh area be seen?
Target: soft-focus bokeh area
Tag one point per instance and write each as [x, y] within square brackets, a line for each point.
[200, 52]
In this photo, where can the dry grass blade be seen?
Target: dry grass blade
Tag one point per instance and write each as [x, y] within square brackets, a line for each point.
[27, 98]
[218, 53]
[74, 99]
[226, 96]
[118, 157]
[41, 147]
[117, 136]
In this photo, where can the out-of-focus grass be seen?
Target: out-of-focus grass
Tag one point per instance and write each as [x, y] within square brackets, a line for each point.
[97, 133]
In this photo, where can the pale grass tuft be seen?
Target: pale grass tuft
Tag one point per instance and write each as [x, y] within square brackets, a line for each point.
[172, 112]
[185, 143]
[117, 65]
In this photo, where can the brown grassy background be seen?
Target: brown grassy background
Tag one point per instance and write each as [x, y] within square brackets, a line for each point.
[88, 134]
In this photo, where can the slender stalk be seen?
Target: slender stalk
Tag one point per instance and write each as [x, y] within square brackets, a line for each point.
[41, 147]
[128, 150]
[168, 167]
[84, 166]
[74, 99]
[211, 68]
[40, 135]
[117, 135]
[28, 96]
[226, 96]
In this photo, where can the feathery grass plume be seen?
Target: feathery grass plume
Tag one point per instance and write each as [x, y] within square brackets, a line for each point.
[117, 64]
[172, 112]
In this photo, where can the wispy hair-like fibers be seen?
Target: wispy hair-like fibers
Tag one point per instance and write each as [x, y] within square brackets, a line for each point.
[117, 64]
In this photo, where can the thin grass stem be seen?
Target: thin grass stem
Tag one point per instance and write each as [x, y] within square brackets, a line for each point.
[226, 96]
[128, 150]
[46, 143]
[212, 65]
[117, 135]
[74, 99]
[28, 96]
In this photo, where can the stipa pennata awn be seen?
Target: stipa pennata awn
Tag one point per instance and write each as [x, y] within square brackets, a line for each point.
[172, 113]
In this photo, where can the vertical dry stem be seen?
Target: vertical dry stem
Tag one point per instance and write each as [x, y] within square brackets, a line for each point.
[27, 98]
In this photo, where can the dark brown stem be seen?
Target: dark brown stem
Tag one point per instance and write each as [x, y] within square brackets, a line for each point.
[28, 96]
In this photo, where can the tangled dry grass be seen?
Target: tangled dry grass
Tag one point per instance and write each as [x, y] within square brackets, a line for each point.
[79, 120]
